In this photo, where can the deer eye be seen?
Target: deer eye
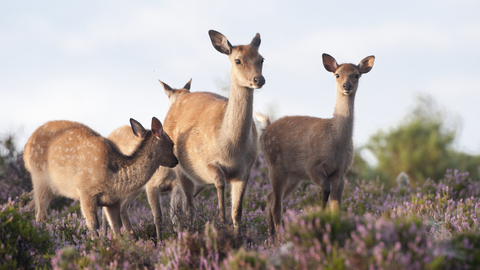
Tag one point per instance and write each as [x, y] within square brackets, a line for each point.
[237, 61]
[337, 76]
[357, 76]
[263, 60]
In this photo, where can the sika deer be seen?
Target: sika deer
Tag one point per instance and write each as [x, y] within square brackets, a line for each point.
[215, 137]
[174, 94]
[163, 180]
[299, 148]
[70, 159]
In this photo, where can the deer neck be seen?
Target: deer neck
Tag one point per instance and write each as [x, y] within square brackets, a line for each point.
[237, 122]
[343, 117]
[133, 172]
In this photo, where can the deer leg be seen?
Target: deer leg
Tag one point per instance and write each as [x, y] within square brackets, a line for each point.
[177, 202]
[113, 216]
[338, 182]
[219, 181]
[320, 179]
[153, 196]
[125, 218]
[88, 205]
[188, 188]
[104, 221]
[277, 211]
[42, 197]
[238, 191]
[270, 203]
[275, 200]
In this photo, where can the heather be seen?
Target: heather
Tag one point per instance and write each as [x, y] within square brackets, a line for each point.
[432, 222]
[430, 226]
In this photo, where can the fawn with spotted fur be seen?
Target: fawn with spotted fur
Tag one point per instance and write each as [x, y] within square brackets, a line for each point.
[163, 180]
[69, 159]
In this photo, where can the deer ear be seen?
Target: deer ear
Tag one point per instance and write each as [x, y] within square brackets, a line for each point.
[167, 88]
[157, 127]
[137, 128]
[256, 41]
[329, 63]
[187, 86]
[366, 64]
[220, 42]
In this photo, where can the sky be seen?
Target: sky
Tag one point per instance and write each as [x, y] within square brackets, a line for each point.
[98, 62]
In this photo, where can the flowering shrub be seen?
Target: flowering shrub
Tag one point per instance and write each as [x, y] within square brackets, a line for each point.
[15, 180]
[461, 252]
[434, 226]
[22, 243]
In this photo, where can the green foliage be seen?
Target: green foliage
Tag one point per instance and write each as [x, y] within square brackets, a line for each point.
[319, 225]
[8, 150]
[360, 168]
[22, 244]
[461, 252]
[421, 146]
[14, 178]
[110, 252]
[248, 260]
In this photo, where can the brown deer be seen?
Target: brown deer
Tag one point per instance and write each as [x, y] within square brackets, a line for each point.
[215, 137]
[69, 159]
[163, 180]
[174, 94]
[299, 148]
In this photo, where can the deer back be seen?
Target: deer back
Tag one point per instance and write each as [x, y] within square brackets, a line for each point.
[70, 153]
[124, 139]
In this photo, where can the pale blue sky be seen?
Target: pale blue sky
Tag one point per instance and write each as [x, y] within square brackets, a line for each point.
[97, 62]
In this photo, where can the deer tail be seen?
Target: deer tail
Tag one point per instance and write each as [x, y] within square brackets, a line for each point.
[265, 120]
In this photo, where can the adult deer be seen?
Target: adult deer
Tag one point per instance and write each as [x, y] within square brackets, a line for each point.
[299, 148]
[163, 180]
[215, 137]
[69, 159]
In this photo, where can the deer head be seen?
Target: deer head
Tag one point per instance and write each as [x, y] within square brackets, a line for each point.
[347, 75]
[246, 62]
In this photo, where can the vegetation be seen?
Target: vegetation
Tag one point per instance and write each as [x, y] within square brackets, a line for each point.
[432, 224]
[421, 146]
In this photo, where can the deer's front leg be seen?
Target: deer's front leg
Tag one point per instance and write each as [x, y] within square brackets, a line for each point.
[219, 181]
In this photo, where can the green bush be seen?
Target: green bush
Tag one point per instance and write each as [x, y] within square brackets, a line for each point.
[23, 245]
[461, 252]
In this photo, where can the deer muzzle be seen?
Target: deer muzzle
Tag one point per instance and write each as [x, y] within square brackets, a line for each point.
[259, 81]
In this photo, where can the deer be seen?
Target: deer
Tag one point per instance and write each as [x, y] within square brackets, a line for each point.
[303, 148]
[69, 159]
[174, 94]
[163, 180]
[215, 137]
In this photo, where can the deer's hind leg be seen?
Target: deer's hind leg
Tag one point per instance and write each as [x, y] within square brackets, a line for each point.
[42, 196]
[114, 217]
[125, 218]
[188, 188]
[278, 181]
[153, 196]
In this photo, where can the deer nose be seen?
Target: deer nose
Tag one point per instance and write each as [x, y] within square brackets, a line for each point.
[259, 81]
[175, 163]
[347, 86]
